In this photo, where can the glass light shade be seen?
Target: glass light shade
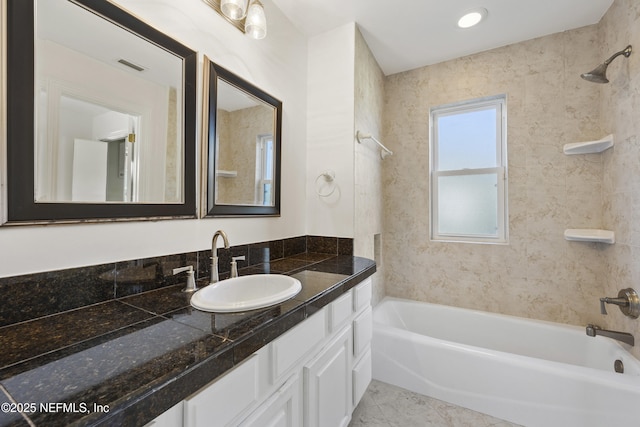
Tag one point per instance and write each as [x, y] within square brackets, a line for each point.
[256, 22]
[234, 9]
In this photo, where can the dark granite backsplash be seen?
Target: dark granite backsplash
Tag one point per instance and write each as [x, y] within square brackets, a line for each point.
[59, 291]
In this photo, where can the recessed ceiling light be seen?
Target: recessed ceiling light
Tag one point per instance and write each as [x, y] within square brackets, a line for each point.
[471, 18]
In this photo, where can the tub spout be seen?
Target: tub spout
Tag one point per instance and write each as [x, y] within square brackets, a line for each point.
[593, 330]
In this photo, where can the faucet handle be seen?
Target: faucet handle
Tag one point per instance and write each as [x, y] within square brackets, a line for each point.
[621, 302]
[627, 300]
[603, 308]
[191, 281]
[188, 268]
[234, 265]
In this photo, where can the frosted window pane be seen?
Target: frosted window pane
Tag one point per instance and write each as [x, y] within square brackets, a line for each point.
[268, 166]
[467, 140]
[467, 205]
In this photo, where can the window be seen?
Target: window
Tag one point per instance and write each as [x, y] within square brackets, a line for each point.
[264, 170]
[468, 171]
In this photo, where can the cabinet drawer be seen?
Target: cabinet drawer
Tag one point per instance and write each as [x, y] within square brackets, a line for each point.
[362, 295]
[225, 399]
[362, 332]
[296, 343]
[340, 312]
[361, 377]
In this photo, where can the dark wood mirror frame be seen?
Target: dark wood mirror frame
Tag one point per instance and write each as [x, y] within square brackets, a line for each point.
[213, 72]
[20, 125]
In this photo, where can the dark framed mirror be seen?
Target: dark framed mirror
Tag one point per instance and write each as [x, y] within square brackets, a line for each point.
[101, 115]
[242, 146]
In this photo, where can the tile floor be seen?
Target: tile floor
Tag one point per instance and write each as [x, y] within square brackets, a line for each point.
[385, 405]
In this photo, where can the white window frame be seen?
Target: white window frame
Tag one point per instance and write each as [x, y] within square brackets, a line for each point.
[500, 105]
[261, 167]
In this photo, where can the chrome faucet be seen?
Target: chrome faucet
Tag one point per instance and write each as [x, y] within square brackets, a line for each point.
[214, 254]
[593, 330]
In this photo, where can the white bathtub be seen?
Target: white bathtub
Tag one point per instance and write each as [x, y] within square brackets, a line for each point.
[525, 371]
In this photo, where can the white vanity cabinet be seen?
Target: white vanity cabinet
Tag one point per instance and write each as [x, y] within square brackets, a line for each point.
[313, 375]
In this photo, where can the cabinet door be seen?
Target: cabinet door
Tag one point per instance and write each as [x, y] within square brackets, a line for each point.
[282, 409]
[327, 384]
[222, 402]
[361, 377]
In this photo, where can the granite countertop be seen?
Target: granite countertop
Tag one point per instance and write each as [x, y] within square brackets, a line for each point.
[125, 361]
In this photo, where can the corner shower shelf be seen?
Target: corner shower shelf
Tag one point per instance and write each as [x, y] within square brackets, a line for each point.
[589, 147]
[589, 235]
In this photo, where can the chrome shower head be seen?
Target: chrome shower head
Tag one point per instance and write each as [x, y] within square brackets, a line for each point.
[599, 74]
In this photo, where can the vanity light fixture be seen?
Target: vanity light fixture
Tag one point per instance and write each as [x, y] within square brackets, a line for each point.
[234, 9]
[246, 15]
[472, 18]
[256, 23]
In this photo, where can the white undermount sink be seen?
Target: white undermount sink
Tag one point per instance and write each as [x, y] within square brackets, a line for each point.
[246, 293]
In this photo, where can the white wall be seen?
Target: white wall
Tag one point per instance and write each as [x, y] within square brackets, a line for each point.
[102, 85]
[277, 64]
[330, 131]
[368, 166]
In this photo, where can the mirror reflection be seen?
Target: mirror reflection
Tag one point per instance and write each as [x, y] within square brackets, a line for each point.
[243, 147]
[108, 111]
[101, 115]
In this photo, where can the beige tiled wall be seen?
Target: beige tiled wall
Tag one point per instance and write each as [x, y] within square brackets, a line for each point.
[538, 274]
[621, 116]
[237, 135]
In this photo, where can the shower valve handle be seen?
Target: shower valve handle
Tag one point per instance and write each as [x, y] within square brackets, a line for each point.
[622, 302]
[627, 300]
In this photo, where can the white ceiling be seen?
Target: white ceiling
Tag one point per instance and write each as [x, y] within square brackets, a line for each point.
[407, 34]
[62, 21]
